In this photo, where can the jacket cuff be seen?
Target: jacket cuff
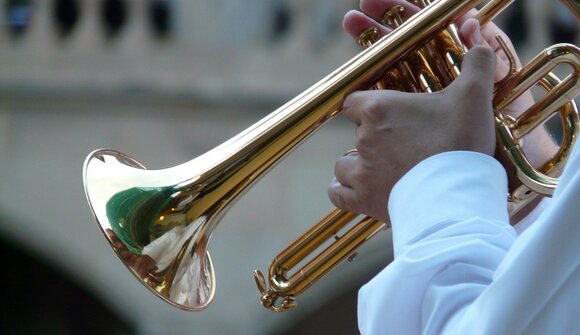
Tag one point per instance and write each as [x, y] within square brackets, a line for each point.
[451, 186]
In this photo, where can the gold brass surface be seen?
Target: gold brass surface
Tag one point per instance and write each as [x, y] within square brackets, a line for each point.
[558, 100]
[159, 222]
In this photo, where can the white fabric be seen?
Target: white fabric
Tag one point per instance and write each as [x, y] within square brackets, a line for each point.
[460, 268]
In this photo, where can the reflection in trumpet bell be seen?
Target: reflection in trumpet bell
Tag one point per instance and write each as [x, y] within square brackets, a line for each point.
[145, 220]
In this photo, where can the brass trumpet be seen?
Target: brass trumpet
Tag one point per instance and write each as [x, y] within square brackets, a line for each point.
[159, 222]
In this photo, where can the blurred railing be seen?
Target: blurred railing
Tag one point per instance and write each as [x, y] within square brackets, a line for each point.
[99, 22]
[252, 49]
[170, 46]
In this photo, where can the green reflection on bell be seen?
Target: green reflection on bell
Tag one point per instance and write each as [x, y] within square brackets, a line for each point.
[132, 214]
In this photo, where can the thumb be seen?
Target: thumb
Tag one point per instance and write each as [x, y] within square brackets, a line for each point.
[472, 91]
[475, 83]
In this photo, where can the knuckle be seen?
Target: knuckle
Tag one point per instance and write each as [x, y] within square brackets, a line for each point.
[352, 100]
[360, 177]
[373, 110]
[364, 145]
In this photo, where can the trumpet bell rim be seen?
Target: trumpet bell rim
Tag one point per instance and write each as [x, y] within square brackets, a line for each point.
[165, 281]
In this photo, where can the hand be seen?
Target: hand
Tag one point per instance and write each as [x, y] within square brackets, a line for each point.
[356, 22]
[397, 130]
[538, 146]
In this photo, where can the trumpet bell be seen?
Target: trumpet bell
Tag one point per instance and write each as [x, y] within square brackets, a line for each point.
[137, 212]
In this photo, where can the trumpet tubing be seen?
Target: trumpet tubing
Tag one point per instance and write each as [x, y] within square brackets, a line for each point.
[287, 287]
[159, 222]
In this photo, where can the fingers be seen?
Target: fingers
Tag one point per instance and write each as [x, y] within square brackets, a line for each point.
[355, 22]
[370, 106]
[471, 95]
[470, 31]
[342, 196]
[473, 35]
[358, 188]
[477, 74]
[344, 165]
[377, 8]
[348, 186]
[350, 106]
[372, 11]
[486, 35]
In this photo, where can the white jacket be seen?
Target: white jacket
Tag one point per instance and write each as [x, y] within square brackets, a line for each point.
[460, 268]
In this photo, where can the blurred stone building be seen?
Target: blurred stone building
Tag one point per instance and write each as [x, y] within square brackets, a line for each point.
[165, 81]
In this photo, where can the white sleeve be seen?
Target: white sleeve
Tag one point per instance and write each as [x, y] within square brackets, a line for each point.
[458, 268]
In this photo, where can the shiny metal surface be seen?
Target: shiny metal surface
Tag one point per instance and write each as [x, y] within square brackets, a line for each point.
[159, 222]
[559, 99]
[285, 285]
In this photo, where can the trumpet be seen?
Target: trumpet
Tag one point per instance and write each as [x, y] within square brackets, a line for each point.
[159, 222]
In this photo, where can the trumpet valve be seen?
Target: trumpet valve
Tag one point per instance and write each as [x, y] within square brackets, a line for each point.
[368, 37]
[394, 16]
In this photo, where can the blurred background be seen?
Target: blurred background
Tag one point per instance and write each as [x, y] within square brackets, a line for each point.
[165, 81]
